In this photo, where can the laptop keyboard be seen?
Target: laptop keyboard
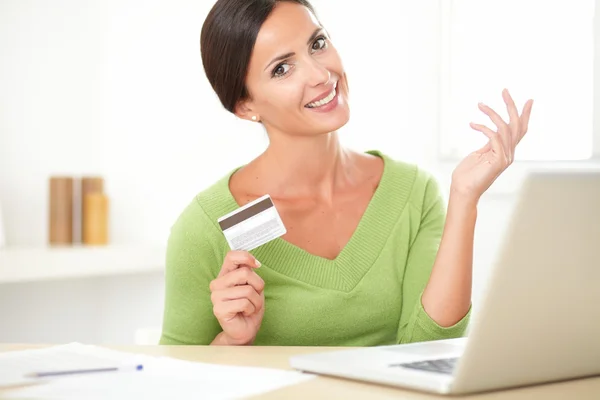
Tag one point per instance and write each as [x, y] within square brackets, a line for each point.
[444, 365]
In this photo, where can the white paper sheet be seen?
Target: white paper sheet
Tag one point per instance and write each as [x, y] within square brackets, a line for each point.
[15, 365]
[161, 377]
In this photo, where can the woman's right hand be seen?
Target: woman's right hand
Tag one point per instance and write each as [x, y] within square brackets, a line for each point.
[238, 299]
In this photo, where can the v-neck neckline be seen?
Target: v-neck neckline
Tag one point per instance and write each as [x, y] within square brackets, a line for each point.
[356, 257]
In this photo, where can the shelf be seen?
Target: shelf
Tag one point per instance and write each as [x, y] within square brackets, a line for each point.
[30, 264]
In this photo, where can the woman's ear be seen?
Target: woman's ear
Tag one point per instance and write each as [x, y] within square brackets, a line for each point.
[244, 110]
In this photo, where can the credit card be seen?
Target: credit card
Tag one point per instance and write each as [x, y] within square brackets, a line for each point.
[252, 225]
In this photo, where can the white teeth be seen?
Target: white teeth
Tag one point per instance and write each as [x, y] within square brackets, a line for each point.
[322, 102]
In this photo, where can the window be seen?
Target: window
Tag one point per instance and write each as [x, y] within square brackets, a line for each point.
[540, 50]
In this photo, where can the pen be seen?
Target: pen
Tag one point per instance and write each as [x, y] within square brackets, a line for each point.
[84, 371]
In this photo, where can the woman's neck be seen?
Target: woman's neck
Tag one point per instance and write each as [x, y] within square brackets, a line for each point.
[305, 167]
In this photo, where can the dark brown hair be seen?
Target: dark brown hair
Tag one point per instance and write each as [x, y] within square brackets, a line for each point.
[226, 43]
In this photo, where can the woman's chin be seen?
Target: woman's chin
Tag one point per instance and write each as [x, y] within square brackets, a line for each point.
[332, 120]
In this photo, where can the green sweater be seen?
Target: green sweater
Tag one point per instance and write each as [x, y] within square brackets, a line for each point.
[369, 295]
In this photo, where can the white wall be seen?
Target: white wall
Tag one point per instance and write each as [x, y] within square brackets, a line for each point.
[116, 88]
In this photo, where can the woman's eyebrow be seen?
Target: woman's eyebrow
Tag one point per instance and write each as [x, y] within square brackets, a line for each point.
[314, 35]
[279, 58]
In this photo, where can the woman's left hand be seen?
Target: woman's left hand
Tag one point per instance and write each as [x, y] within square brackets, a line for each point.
[476, 173]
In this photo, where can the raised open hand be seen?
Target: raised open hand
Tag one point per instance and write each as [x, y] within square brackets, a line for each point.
[476, 173]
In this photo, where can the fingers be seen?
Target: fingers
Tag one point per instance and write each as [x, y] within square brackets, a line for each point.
[525, 118]
[236, 293]
[496, 119]
[239, 277]
[504, 132]
[487, 147]
[508, 135]
[495, 142]
[514, 122]
[229, 309]
[485, 130]
[235, 259]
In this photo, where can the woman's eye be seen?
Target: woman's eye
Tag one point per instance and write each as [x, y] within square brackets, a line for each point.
[281, 70]
[319, 44]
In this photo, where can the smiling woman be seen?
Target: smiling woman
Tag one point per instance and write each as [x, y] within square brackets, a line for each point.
[370, 256]
[282, 71]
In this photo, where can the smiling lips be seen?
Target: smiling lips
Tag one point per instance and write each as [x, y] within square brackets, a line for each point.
[324, 99]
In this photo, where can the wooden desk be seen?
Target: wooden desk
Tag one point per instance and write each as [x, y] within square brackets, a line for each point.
[333, 388]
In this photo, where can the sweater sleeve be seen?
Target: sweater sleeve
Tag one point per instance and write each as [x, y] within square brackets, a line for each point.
[415, 324]
[191, 264]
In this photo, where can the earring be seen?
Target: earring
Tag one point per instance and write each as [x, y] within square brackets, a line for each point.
[254, 118]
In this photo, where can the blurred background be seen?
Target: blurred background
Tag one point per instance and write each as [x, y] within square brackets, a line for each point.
[116, 89]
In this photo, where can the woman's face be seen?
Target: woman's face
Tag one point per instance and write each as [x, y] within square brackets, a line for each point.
[296, 79]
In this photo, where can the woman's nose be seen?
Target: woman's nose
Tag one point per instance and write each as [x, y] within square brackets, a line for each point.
[318, 74]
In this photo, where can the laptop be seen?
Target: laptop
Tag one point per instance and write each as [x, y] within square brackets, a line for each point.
[539, 320]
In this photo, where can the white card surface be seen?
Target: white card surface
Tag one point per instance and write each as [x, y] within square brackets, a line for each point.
[252, 225]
